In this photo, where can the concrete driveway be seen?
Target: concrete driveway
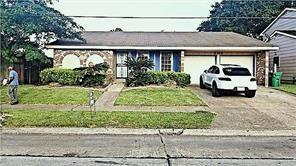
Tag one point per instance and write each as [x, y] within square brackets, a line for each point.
[269, 109]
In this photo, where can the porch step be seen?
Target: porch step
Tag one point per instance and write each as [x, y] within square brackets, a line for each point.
[119, 81]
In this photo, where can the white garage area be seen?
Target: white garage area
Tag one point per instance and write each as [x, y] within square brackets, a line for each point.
[195, 65]
[245, 61]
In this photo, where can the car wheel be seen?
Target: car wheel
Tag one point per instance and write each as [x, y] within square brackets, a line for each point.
[250, 93]
[201, 84]
[215, 90]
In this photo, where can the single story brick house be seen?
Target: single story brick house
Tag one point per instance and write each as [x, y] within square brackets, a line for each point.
[282, 33]
[189, 52]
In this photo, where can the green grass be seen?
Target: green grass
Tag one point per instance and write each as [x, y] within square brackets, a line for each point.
[291, 88]
[21, 118]
[28, 94]
[159, 97]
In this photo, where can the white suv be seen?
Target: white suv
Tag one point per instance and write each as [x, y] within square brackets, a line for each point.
[227, 77]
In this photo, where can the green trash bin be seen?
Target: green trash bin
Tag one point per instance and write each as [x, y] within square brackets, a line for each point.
[276, 79]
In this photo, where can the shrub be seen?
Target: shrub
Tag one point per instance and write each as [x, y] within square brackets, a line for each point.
[93, 80]
[85, 76]
[182, 79]
[62, 76]
[138, 79]
[93, 75]
[138, 75]
[159, 78]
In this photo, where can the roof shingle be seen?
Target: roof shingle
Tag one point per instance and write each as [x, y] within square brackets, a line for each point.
[164, 39]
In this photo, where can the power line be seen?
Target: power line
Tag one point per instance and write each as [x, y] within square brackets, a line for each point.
[155, 17]
[174, 17]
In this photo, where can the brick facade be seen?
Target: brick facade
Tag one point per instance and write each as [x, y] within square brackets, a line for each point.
[107, 56]
[260, 68]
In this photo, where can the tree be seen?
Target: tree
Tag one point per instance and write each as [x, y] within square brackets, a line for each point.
[247, 26]
[138, 71]
[116, 30]
[26, 25]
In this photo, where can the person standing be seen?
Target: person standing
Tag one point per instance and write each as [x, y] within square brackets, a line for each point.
[13, 84]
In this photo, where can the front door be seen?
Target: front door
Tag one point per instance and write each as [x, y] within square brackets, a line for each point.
[121, 68]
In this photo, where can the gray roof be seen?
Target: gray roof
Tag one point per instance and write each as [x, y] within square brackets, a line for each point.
[164, 39]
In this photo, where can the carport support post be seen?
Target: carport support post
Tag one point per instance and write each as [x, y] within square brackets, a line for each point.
[266, 68]
[182, 60]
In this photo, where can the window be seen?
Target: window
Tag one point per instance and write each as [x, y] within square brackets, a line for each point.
[216, 70]
[238, 71]
[95, 59]
[143, 55]
[276, 61]
[211, 69]
[166, 61]
[70, 62]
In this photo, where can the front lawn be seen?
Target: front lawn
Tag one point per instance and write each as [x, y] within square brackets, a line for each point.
[28, 94]
[21, 118]
[159, 97]
[291, 88]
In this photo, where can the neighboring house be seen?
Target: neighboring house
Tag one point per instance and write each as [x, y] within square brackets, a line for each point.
[282, 33]
[189, 52]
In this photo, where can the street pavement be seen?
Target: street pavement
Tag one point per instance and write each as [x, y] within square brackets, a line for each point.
[61, 149]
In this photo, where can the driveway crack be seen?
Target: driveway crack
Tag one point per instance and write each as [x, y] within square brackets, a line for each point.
[165, 149]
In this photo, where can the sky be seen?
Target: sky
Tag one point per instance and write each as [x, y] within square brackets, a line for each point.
[162, 8]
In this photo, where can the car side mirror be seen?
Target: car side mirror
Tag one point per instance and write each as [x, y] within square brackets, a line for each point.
[206, 71]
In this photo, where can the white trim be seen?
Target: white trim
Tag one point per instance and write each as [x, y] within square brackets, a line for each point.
[172, 61]
[172, 58]
[255, 64]
[166, 48]
[283, 33]
[280, 15]
[218, 58]
[266, 68]
[160, 55]
[154, 68]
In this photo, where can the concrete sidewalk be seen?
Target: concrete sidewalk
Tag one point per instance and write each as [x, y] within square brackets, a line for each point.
[130, 131]
[50, 107]
[109, 97]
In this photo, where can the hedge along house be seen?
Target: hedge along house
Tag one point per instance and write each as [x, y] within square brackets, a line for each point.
[189, 52]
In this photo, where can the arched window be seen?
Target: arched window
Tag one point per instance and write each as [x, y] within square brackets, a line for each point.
[95, 59]
[71, 62]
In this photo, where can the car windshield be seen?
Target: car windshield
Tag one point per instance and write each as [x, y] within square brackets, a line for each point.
[235, 71]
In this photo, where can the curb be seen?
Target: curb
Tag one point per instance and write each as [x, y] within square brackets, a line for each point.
[127, 131]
